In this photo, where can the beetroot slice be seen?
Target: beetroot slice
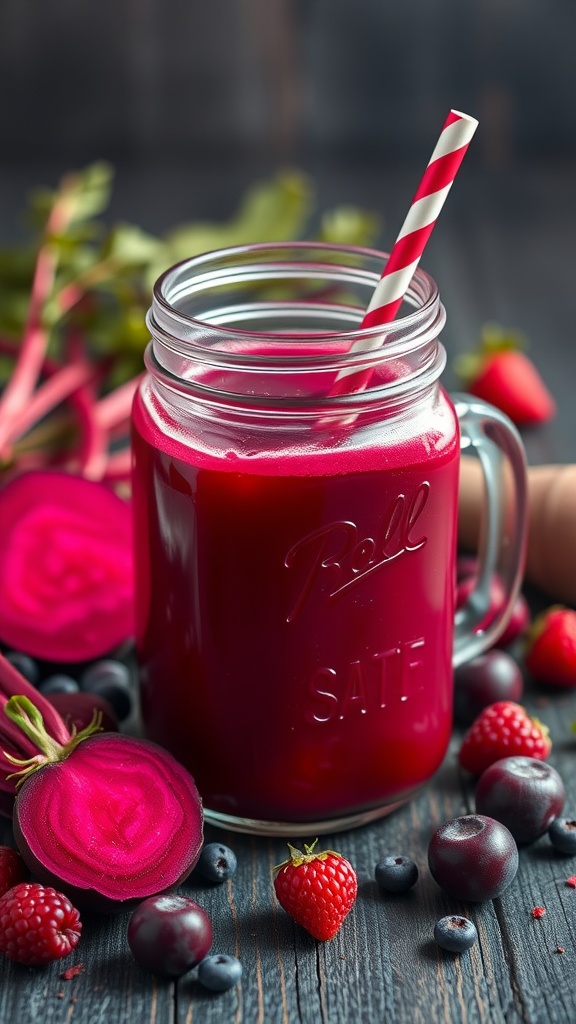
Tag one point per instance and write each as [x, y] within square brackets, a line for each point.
[117, 821]
[66, 567]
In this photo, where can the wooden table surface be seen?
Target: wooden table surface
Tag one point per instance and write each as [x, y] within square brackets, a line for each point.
[506, 252]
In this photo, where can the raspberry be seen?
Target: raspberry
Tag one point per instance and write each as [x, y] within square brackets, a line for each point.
[37, 924]
[503, 729]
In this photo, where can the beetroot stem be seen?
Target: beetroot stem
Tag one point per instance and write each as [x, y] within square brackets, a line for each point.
[28, 365]
[115, 407]
[27, 717]
[73, 292]
[13, 683]
[50, 394]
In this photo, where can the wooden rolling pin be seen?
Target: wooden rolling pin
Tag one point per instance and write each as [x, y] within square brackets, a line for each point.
[551, 553]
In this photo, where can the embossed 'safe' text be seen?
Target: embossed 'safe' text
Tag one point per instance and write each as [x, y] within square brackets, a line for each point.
[332, 560]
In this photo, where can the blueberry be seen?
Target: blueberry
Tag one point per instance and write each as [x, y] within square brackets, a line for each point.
[523, 793]
[473, 857]
[169, 935]
[396, 874]
[562, 834]
[110, 679]
[216, 862]
[25, 665]
[219, 972]
[58, 684]
[456, 934]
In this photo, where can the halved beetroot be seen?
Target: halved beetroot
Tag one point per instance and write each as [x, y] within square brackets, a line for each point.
[117, 821]
[110, 820]
[101, 816]
[66, 567]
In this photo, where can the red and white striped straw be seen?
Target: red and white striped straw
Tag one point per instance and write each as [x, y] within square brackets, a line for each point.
[436, 183]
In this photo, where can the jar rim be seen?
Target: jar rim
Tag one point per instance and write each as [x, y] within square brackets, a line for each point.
[422, 293]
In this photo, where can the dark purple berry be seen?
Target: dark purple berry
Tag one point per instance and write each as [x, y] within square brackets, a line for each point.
[473, 857]
[110, 679]
[562, 833]
[523, 793]
[26, 665]
[219, 972]
[216, 862]
[58, 684]
[490, 677]
[456, 934]
[168, 935]
[396, 874]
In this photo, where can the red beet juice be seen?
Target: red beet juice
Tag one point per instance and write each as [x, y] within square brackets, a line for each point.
[295, 614]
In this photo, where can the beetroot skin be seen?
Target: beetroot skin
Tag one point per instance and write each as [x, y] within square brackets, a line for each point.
[66, 567]
[117, 821]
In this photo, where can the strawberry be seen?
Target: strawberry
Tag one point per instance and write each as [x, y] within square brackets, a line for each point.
[551, 649]
[37, 924]
[502, 374]
[502, 730]
[317, 889]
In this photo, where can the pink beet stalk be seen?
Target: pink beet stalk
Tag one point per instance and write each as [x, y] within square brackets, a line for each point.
[115, 407]
[60, 386]
[93, 451]
[34, 343]
[13, 742]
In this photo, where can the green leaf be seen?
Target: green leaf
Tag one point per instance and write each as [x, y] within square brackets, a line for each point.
[270, 211]
[13, 311]
[275, 211]
[495, 338]
[348, 225]
[132, 247]
[120, 330]
[16, 268]
[88, 191]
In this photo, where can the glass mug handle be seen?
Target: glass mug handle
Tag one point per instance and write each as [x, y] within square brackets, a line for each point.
[493, 438]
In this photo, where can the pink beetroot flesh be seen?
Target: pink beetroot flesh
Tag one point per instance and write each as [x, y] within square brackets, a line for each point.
[65, 566]
[117, 821]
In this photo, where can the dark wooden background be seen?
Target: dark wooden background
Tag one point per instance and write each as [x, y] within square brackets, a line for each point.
[281, 79]
[193, 101]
